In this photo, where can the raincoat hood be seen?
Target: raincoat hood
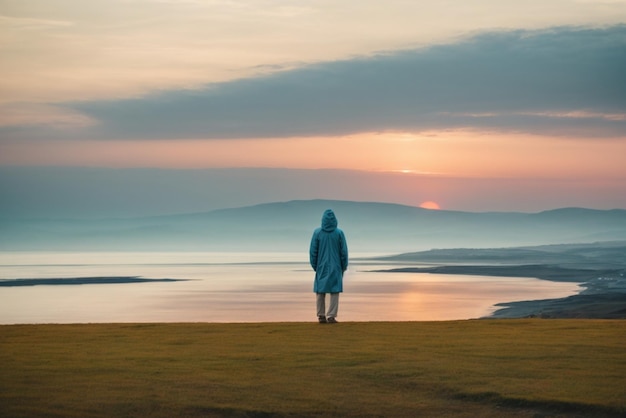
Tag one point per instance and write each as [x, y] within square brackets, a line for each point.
[329, 221]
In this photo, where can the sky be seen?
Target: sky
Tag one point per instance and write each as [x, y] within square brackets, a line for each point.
[474, 105]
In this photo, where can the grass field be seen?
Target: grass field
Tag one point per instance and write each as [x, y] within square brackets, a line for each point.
[479, 368]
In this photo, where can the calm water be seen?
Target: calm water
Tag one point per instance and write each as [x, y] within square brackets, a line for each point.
[237, 287]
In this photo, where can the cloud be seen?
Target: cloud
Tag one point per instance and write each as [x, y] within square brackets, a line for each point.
[23, 23]
[15, 114]
[563, 81]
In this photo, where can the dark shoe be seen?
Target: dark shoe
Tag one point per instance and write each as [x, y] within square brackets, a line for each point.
[322, 319]
[332, 320]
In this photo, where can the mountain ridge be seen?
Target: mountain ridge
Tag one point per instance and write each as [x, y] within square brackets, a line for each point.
[287, 225]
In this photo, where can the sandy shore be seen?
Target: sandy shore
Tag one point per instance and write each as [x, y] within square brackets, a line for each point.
[602, 296]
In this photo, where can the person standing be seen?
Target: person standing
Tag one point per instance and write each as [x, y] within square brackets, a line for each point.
[328, 255]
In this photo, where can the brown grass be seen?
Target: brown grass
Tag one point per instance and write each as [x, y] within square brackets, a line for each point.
[488, 368]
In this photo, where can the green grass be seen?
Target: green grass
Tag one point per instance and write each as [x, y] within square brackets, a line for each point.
[488, 368]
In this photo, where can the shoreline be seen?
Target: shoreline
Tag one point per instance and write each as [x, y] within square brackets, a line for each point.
[73, 281]
[602, 295]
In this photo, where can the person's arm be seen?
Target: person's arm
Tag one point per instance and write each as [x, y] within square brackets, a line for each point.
[313, 250]
[344, 252]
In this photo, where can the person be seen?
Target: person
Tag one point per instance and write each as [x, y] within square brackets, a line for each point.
[329, 258]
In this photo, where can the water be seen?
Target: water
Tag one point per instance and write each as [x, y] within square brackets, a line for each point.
[243, 287]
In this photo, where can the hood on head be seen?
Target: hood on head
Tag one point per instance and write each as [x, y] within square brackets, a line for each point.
[329, 221]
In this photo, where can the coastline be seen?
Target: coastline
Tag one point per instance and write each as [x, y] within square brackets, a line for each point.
[601, 298]
[81, 281]
[602, 295]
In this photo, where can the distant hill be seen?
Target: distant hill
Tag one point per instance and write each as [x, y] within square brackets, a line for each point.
[597, 255]
[287, 226]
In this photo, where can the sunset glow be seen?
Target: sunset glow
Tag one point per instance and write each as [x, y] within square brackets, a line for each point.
[462, 109]
[452, 154]
[429, 205]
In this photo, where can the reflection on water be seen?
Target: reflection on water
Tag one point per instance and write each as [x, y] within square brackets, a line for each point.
[238, 287]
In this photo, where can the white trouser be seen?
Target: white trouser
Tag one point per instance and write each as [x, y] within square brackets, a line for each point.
[321, 305]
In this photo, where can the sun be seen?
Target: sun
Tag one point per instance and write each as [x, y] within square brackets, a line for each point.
[430, 205]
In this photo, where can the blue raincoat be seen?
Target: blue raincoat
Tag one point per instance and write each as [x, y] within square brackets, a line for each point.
[328, 255]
